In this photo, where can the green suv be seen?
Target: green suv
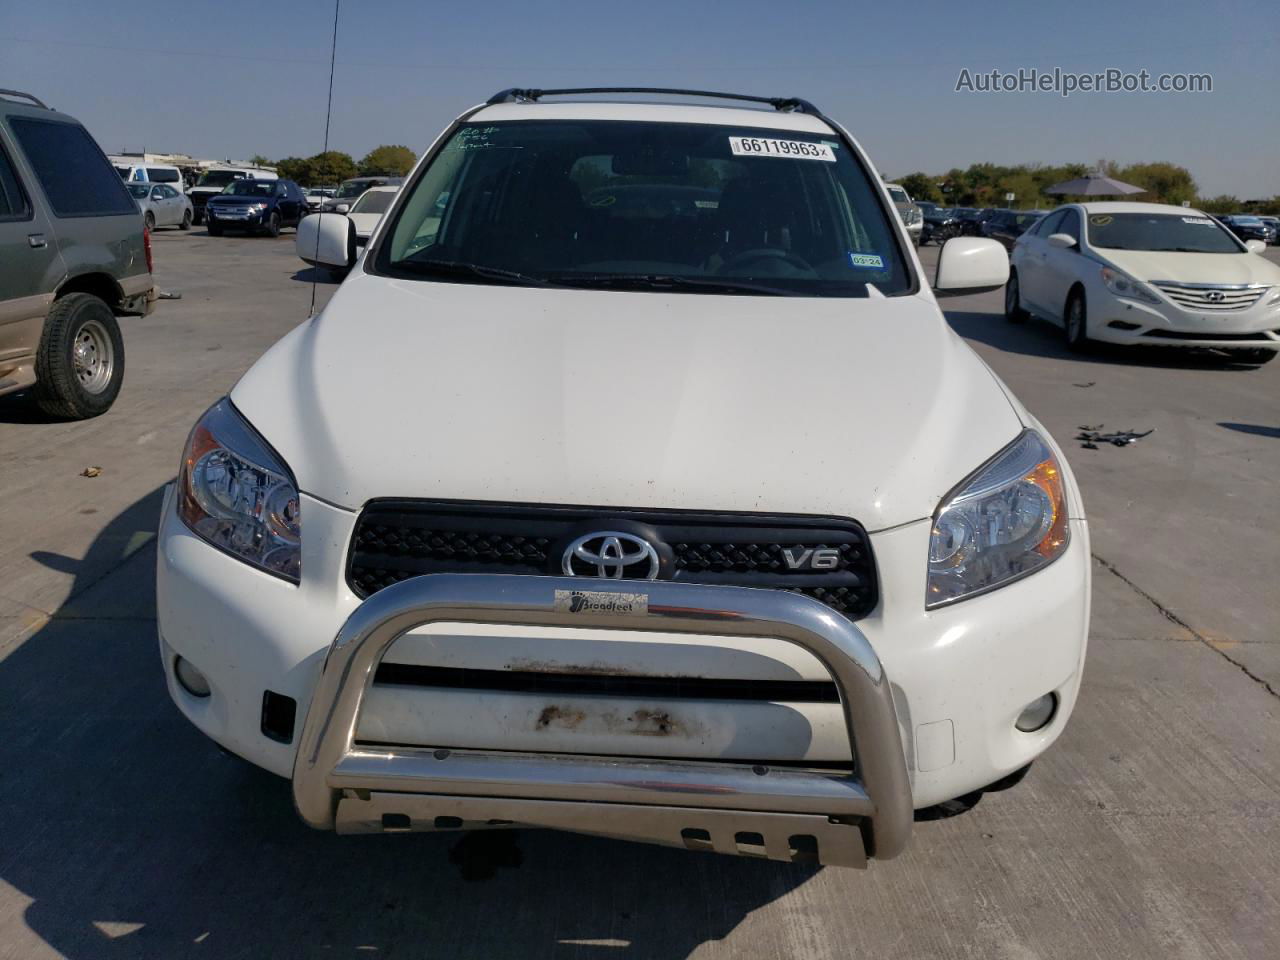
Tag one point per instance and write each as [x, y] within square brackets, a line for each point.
[73, 256]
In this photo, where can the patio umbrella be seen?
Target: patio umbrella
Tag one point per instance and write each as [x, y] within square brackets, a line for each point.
[1094, 185]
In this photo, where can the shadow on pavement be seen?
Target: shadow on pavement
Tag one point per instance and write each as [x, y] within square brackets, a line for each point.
[316, 275]
[1037, 338]
[1256, 429]
[133, 836]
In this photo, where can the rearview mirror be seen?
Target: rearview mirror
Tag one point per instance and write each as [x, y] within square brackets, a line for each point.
[326, 240]
[1255, 246]
[1063, 240]
[342, 207]
[970, 265]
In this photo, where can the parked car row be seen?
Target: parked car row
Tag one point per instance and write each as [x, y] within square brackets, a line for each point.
[1248, 227]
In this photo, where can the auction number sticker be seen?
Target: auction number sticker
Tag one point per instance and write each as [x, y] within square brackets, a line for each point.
[1198, 221]
[766, 147]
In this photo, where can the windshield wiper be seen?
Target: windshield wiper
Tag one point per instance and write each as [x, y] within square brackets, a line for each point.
[660, 281]
[455, 268]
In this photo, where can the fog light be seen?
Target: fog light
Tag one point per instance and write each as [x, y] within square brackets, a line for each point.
[191, 679]
[1037, 713]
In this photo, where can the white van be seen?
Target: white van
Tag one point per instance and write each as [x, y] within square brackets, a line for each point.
[131, 170]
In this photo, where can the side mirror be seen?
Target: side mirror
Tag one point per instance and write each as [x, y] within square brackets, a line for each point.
[1063, 240]
[971, 265]
[326, 240]
[1255, 246]
[342, 207]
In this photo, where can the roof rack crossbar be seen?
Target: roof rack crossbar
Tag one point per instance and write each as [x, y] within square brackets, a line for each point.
[25, 96]
[784, 104]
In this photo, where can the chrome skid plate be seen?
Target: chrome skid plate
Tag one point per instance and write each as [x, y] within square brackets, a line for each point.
[837, 818]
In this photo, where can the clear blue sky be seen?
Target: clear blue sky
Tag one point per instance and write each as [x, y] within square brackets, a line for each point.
[235, 78]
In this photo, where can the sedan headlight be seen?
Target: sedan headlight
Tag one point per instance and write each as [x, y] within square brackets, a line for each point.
[234, 492]
[1123, 285]
[1005, 521]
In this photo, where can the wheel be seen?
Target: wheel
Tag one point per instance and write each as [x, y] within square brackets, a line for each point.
[215, 230]
[1256, 356]
[1075, 322]
[1013, 311]
[80, 363]
[186, 220]
[149, 221]
[273, 224]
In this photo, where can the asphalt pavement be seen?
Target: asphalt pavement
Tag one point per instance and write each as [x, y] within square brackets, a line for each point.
[1151, 830]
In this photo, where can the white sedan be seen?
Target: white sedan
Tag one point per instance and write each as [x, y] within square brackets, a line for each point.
[1146, 273]
[368, 210]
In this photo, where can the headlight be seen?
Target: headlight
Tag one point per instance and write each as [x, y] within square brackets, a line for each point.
[234, 492]
[1123, 285]
[1007, 520]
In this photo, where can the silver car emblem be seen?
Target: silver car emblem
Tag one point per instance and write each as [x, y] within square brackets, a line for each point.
[609, 553]
[1215, 296]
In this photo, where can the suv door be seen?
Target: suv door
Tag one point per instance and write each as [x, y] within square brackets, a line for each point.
[29, 265]
[290, 200]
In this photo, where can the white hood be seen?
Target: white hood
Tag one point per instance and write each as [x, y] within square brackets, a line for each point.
[1193, 267]
[871, 409]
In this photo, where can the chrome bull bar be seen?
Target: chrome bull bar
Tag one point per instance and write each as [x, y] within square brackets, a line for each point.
[832, 817]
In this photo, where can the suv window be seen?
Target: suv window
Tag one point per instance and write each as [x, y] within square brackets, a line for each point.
[679, 207]
[13, 199]
[75, 175]
[163, 175]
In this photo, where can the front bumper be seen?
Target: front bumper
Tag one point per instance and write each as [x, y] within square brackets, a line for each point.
[1121, 320]
[834, 818]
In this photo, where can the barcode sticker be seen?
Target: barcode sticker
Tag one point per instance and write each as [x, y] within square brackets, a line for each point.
[793, 149]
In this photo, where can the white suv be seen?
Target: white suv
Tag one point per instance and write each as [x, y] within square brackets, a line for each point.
[634, 484]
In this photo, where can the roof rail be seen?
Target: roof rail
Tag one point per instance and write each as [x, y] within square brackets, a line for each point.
[784, 104]
[25, 96]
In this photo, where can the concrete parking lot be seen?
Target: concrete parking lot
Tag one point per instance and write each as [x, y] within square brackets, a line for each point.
[1152, 830]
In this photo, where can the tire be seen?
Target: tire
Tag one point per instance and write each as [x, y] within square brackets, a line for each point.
[80, 363]
[1255, 356]
[186, 220]
[1013, 311]
[273, 224]
[215, 230]
[1075, 323]
[149, 221]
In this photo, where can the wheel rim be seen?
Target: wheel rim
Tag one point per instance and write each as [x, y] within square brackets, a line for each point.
[93, 357]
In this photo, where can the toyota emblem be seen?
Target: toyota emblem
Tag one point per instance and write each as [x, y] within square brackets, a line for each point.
[611, 554]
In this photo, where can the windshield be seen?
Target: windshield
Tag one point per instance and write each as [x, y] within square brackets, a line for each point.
[217, 178]
[1171, 232]
[898, 195]
[140, 190]
[689, 208]
[1247, 221]
[249, 188]
[374, 201]
[352, 188]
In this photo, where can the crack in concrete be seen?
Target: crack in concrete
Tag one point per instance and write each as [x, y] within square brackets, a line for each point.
[1174, 618]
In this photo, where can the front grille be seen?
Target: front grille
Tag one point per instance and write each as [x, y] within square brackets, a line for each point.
[1224, 337]
[1211, 296]
[398, 539]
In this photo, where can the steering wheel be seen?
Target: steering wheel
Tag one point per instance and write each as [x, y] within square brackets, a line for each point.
[763, 255]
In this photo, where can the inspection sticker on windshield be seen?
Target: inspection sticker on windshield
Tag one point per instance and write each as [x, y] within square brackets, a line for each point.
[765, 147]
[871, 261]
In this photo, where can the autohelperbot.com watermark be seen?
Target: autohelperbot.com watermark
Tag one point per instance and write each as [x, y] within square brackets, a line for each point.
[1065, 82]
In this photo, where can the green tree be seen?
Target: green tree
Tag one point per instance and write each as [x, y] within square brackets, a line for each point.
[295, 168]
[258, 160]
[388, 160]
[920, 186]
[331, 167]
[1222, 203]
[1164, 182]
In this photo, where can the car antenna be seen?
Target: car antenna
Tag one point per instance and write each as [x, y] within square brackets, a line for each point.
[328, 112]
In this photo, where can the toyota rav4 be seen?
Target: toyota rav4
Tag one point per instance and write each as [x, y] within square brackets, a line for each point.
[634, 484]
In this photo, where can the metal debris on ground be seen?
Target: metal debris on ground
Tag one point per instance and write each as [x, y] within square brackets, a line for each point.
[1090, 383]
[1090, 437]
[90, 471]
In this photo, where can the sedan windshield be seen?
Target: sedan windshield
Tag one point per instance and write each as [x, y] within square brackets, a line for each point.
[685, 208]
[374, 201]
[140, 190]
[1169, 232]
[352, 188]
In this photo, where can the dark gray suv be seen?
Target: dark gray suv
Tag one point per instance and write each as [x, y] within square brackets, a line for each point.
[73, 257]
